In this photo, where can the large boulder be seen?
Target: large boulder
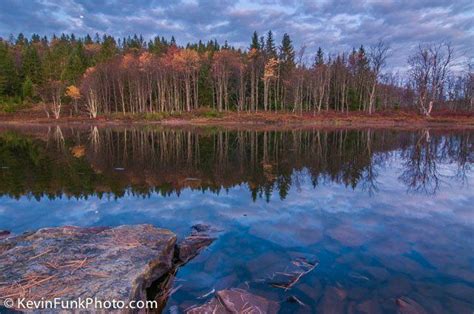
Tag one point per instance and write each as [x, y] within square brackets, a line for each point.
[71, 262]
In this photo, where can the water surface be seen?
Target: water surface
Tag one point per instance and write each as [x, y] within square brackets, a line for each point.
[385, 213]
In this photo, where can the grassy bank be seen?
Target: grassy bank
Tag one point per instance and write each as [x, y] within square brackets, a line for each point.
[36, 114]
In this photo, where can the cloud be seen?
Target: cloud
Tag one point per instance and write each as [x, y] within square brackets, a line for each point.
[334, 25]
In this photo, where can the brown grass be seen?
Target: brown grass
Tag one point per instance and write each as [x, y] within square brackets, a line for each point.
[387, 118]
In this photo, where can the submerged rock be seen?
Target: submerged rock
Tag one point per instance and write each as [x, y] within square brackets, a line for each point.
[4, 234]
[293, 273]
[409, 306]
[70, 262]
[333, 301]
[200, 237]
[370, 306]
[236, 301]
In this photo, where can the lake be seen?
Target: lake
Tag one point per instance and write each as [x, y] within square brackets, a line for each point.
[384, 214]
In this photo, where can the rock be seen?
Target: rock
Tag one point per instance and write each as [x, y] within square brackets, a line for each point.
[333, 301]
[236, 301]
[378, 273]
[4, 234]
[409, 306]
[369, 306]
[203, 228]
[312, 291]
[71, 262]
[458, 306]
[358, 292]
[293, 273]
[395, 287]
[201, 237]
[461, 291]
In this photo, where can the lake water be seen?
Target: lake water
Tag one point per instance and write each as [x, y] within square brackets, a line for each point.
[386, 214]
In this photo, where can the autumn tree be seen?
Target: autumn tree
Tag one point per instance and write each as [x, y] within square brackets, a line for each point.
[188, 62]
[74, 93]
[225, 63]
[91, 92]
[132, 75]
[269, 75]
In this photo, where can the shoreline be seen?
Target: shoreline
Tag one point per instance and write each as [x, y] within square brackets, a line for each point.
[260, 120]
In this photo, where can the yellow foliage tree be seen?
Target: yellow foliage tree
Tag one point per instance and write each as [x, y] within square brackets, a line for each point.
[73, 92]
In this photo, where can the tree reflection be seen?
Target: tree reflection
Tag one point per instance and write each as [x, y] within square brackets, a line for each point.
[79, 163]
[422, 160]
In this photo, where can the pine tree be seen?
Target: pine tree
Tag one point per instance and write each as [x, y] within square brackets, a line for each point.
[319, 60]
[21, 40]
[76, 65]
[287, 52]
[270, 48]
[87, 40]
[262, 43]
[27, 88]
[255, 44]
[31, 64]
[362, 60]
[108, 49]
[35, 38]
[8, 73]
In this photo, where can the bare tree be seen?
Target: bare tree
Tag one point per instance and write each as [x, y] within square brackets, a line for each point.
[51, 94]
[378, 56]
[429, 69]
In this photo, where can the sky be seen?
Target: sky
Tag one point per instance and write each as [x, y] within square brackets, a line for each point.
[334, 25]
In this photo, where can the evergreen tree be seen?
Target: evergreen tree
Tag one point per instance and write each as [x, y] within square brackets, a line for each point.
[108, 49]
[319, 60]
[76, 65]
[31, 64]
[262, 43]
[8, 73]
[157, 46]
[56, 58]
[87, 40]
[255, 44]
[35, 38]
[362, 60]
[270, 48]
[27, 88]
[287, 52]
[21, 40]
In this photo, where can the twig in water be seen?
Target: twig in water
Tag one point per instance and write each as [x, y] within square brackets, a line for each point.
[207, 294]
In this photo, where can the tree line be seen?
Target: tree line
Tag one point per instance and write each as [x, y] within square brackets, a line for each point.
[106, 75]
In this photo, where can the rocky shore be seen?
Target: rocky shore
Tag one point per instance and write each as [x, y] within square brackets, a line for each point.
[122, 263]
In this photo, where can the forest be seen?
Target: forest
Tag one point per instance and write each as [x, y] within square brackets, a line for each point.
[105, 75]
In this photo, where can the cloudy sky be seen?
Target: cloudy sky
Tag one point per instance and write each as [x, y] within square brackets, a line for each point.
[333, 25]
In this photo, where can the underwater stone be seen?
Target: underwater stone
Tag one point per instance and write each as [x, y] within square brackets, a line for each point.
[236, 301]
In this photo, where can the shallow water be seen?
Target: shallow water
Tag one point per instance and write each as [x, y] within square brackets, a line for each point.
[386, 214]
